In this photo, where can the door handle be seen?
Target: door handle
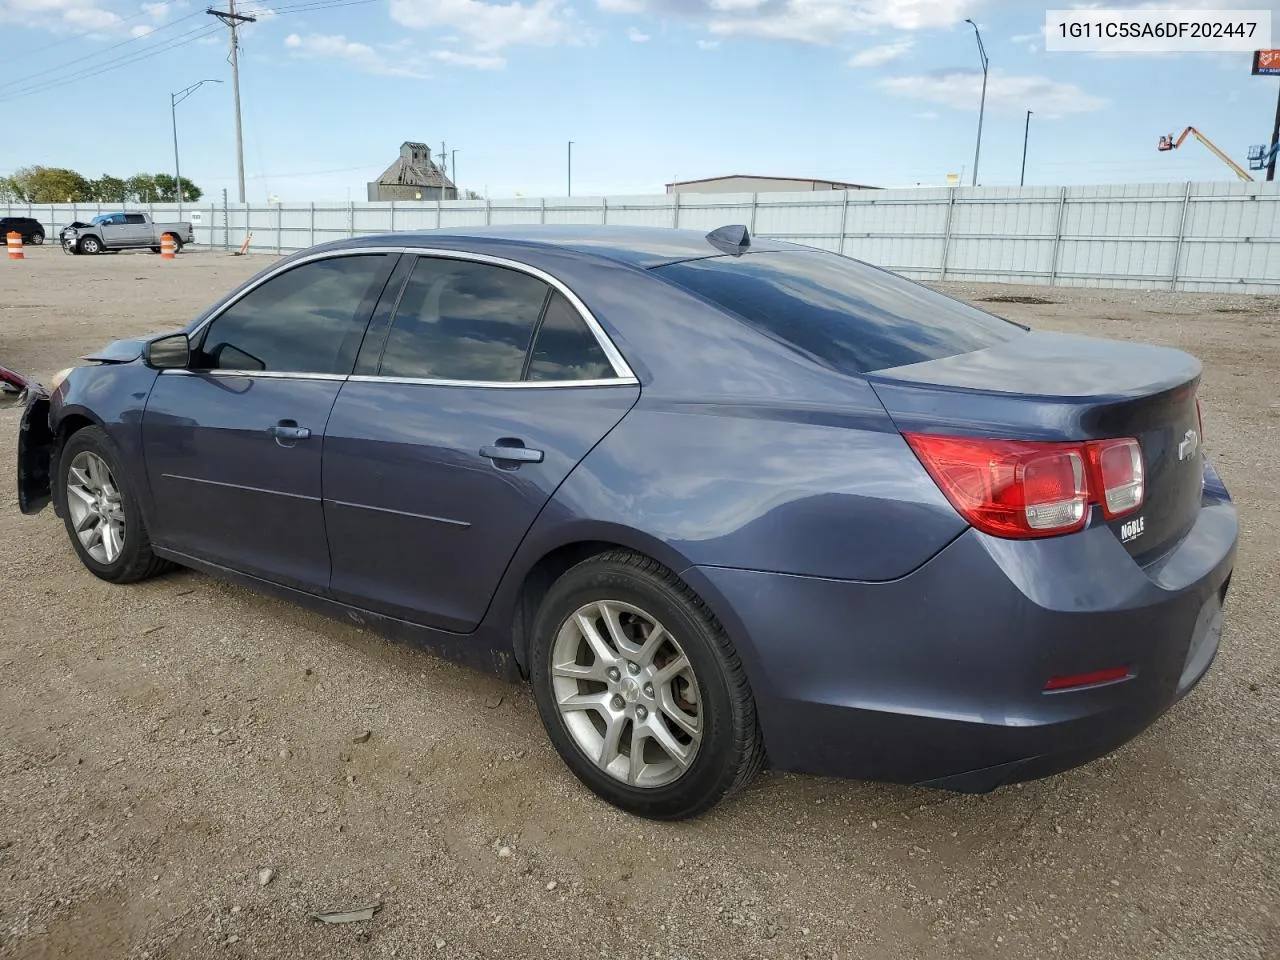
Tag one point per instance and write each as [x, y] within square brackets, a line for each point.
[511, 451]
[289, 430]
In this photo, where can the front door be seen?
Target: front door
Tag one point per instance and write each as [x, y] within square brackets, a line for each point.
[233, 444]
[488, 389]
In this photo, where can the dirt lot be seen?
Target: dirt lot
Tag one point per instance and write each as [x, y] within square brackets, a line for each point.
[161, 744]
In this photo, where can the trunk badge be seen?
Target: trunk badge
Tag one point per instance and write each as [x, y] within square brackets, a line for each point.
[1190, 441]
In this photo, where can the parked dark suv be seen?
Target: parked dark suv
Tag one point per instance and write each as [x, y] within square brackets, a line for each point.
[31, 230]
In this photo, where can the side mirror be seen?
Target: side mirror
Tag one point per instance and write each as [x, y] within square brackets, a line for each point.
[172, 352]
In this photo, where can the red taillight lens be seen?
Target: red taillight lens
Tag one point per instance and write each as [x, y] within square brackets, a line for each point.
[1024, 489]
[1007, 487]
[1118, 468]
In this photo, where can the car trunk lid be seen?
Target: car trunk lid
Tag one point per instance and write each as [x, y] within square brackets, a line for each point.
[1057, 387]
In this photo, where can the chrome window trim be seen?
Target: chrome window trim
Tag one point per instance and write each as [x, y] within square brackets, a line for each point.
[623, 371]
[265, 374]
[501, 384]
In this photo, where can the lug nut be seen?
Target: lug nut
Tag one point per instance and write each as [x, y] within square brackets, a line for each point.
[641, 713]
[617, 702]
[648, 689]
[632, 669]
[614, 674]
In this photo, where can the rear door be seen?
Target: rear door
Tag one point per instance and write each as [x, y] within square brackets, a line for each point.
[140, 232]
[233, 444]
[488, 387]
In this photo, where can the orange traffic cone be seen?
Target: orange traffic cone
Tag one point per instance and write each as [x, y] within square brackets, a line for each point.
[15, 246]
[167, 247]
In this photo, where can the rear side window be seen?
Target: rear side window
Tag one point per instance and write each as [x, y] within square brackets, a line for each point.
[459, 320]
[134, 218]
[565, 349]
[845, 314]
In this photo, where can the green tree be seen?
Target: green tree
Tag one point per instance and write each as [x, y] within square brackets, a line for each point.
[472, 195]
[10, 192]
[142, 188]
[52, 185]
[109, 189]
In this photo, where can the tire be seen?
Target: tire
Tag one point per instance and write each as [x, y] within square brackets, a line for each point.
[155, 249]
[718, 737]
[121, 551]
[90, 245]
[37, 238]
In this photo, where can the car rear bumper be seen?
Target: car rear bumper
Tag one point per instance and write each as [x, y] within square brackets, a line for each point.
[939, 678]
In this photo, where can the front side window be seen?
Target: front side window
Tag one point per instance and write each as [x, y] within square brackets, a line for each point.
[459, 320]
[310, 319]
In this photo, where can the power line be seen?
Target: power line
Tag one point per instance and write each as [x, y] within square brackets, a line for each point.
[86, 33]
[98, 69]
[97, 53]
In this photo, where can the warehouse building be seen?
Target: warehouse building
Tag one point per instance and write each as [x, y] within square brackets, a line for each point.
[745, 183]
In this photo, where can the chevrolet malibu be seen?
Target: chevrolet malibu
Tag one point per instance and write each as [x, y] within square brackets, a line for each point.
[717, 499]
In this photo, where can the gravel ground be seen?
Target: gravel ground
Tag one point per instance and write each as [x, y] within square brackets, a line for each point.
[162, 744]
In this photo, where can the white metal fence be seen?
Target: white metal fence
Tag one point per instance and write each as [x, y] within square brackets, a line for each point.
[1220, 237]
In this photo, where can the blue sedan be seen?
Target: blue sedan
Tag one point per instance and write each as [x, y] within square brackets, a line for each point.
[718, 499]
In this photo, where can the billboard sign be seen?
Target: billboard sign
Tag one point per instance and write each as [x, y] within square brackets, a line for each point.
[1266, 63]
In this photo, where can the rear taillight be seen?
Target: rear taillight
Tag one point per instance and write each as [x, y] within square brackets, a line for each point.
[1117, 465]
[1023, 489]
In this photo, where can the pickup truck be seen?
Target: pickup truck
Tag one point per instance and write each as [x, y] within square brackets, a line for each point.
[122, 231]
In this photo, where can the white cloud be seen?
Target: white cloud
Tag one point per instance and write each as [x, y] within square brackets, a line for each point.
[635, 35]
[61, 16]
[879, 56]
[478, 61]
[337, 48]
[141, 30]
[708, 44]
[962, 89]
[926, 115]
[808, 21]
[492, 26]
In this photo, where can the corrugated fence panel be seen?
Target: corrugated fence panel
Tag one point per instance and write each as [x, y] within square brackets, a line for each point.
[1222, 236]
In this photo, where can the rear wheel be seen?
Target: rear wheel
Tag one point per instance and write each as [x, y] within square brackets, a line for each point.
[90, 245]
[101, 511]
[37, 238]
[640, 691]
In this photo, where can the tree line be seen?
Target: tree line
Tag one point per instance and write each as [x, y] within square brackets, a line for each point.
[58, 185]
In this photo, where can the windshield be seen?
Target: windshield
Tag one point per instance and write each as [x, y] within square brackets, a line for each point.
[846, 314]
[99, 221]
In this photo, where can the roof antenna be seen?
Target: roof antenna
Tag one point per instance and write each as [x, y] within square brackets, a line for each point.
[733, 240]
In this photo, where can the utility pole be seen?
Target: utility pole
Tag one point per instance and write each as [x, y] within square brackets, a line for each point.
[1025, 134]
[233, 20]
[1275, 138]
[982, 107]
[571, 168]
[453, 168]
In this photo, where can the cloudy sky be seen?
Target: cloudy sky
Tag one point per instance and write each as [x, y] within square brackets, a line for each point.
[881, 92]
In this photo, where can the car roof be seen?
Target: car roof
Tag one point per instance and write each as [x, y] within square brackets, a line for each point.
[639, 246]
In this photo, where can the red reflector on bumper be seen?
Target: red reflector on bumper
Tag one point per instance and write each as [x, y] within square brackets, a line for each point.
[1087, 679]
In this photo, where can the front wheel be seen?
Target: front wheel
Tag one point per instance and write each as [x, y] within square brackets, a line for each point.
[37, 238]
[641, 691]
[90, 245]
[101, 511]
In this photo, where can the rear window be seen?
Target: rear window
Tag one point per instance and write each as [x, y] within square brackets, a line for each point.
[848, 315]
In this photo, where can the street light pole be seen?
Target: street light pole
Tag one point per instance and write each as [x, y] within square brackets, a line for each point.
[982, 107]
[571, 168]
[174, 100]
[1022, 182]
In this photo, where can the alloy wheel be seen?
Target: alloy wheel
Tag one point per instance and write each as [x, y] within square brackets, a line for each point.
[96, 507]
[627, 693]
